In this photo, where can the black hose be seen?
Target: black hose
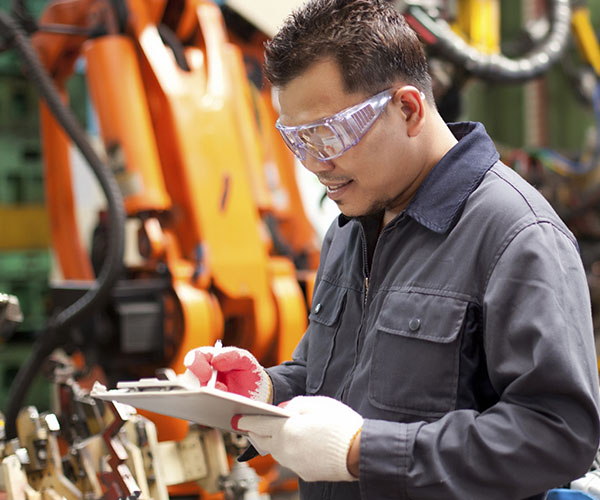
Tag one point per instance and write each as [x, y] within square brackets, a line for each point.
[497, 67]
[170, 39]
[58, 325]
[21, 14]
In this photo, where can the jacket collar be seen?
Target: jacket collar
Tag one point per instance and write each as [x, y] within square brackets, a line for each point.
[442, 195]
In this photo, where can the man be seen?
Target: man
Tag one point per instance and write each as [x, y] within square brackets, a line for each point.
[450, 352]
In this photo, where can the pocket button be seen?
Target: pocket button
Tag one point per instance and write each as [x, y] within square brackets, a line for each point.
[318, 308]
[414, 324]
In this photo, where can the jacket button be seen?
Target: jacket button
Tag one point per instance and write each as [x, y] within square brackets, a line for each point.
[414, 324]
[318, 308]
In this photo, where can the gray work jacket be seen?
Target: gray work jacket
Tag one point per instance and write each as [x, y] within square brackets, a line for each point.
[462, 334]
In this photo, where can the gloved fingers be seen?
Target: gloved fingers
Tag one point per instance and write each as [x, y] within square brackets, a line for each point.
[198, 361]
[244, 383]
[261, 430]
[259, 425]
[233, 358]
[238, 371]
[322, 405]
[242, 373]
[301, 404]
[313, 441]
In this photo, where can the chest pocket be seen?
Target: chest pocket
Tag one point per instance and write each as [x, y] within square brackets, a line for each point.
[327, 307]
[415, 364]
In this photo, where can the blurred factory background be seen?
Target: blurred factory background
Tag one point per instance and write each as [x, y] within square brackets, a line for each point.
[543, 114]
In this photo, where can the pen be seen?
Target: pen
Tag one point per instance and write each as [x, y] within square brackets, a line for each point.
[213, 378]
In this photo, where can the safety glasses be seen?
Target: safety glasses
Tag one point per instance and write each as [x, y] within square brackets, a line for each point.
[332, 136]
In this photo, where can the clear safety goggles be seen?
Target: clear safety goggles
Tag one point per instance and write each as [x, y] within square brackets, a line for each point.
[332, 136]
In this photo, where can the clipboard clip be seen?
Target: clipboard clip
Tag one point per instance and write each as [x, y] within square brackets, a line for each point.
[166, 380]
[151, 384]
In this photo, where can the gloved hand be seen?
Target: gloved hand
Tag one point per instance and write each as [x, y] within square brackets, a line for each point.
[238, 371]
[313, 442]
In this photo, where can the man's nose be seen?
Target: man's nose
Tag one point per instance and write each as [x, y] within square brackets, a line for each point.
[316, 166]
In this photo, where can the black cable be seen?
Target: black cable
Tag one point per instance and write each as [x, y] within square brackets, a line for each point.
[23, 17]
[170, 39]
[58, 325]
[496, 67]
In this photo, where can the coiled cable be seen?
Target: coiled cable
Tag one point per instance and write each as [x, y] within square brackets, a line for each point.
[58, 325]
[496, 67]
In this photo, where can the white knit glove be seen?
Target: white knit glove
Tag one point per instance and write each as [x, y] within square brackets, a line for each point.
[238, 371]
[313, 442]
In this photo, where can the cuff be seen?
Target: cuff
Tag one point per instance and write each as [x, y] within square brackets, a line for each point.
[385, 455]
[280, 388]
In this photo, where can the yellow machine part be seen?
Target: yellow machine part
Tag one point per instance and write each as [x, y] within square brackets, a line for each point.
[586, 37]
[24, 226]
[478, 22]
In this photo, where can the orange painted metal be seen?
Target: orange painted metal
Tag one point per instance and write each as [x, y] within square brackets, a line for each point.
[279, 164]
[208, 173]
[66, 240]
[116, 88]
[200, 166]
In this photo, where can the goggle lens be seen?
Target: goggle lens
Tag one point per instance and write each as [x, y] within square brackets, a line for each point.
[289, 142]
[321, 139]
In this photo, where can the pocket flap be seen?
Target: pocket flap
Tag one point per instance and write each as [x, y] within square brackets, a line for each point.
[326, 303]
[422, 316]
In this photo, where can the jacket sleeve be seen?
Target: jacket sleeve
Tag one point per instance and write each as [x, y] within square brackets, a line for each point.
[289, 378]
[544, 430]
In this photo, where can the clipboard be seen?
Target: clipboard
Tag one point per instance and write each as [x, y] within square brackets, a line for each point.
[205, 406]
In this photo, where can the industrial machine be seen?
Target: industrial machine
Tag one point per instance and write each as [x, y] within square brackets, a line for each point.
[467, 34]
[464, 42]
[191, 167]
[224, 250]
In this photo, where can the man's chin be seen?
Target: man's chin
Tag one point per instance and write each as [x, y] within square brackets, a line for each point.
[363, 214]
[349, 212]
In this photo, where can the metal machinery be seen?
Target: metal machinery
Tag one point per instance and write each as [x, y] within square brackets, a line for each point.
[464, 42]
[467, 34]
[190, 158]
[225, 250]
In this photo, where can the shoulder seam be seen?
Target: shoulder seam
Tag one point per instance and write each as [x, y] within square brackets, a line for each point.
[500, 176]
[510, 238]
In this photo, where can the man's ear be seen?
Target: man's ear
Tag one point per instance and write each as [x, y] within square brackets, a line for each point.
[411, 102]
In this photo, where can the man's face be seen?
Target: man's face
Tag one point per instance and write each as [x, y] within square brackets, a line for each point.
[381, 172]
